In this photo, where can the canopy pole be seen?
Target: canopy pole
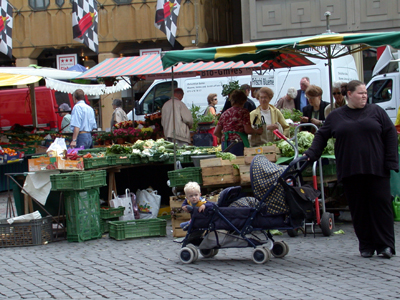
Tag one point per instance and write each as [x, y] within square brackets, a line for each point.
[33, 104]
[328, 51]
[173, 113]
[132, 97]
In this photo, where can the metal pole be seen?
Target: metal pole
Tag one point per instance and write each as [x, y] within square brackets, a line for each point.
[33, 104]
[328, 51]
[173, 113]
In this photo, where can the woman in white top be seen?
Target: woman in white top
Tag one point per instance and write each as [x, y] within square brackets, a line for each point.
[268, 117]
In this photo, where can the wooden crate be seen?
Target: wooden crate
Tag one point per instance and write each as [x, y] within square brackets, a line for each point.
[244, 171]
[272, 153]
[177, 231]
[177, 218]
[218, 162]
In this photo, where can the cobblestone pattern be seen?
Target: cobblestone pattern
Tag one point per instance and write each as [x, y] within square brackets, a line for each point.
[149, 268]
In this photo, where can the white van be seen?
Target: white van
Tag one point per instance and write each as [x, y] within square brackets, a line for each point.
[197, 89]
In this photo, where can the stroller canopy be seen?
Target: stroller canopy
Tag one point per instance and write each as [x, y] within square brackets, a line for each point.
[263, 175]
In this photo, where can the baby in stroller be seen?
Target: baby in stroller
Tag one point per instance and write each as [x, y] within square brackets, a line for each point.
[193, 199]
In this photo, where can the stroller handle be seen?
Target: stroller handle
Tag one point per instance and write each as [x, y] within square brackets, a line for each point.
[298, 159]
[279, 135]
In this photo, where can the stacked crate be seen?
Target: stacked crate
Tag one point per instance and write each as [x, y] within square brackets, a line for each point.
[82, 203]
[218, 172]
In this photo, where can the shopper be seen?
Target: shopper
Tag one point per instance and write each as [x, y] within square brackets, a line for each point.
[236, 119]
[212, 102]
[82, 122]
[119, 114]
[64, 111]
[315, 111]
[366, 151]
[340, 100]
[301, 100]
[183, 119]
[287, 101]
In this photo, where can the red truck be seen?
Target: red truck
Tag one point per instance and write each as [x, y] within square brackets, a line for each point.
[15, 107]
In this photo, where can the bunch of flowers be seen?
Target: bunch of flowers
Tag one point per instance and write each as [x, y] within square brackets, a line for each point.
[121, 133]
[153, 119]
[146, 132]
[134, 132]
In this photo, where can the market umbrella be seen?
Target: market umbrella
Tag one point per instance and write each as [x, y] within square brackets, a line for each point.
[324, 46]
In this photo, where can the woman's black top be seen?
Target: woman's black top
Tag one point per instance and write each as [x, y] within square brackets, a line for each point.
[366, 141]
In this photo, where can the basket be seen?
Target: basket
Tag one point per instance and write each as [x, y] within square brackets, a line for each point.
[78, 180]
[95, 162]
[105, 224]
[180, 177]
[107, 212]
[121, 230]
[83, 215]
[32, 233]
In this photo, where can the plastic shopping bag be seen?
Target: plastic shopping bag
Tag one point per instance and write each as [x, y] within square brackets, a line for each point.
[57, 148]
[149, 203]
[128, 201]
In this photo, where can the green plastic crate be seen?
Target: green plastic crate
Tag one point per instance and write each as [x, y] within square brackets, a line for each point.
[83, 215]
[105, 224]
[144, 160]
[112, 160]
[180, 177]
[121, 230]
[135, 159]
[91, 150]
[107, 212]
[95, 162]
[326, 170]
[78, 180]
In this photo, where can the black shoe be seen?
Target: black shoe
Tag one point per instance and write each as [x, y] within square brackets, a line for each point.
[367, 254]
[386, 253]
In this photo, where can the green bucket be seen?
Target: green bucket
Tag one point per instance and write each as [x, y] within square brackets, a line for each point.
[396, 208]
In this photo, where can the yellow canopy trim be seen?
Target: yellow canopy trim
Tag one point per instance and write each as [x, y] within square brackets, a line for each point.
[15, 79]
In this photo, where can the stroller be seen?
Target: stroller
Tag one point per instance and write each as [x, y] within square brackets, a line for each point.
[240, 222]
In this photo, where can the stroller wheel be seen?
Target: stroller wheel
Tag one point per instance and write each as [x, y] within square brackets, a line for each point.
[195, 251]
[327, 224]
[293, 232]
[208, 253]
[287, 247]
[215, 252]
[280, 249]
[186, 255]
[261, 255]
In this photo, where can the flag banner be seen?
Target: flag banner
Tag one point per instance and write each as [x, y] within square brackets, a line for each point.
[166, 18]
[85, 23]
[6, 23]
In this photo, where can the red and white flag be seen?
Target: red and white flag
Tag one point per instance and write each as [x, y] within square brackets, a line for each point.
[85, 23]
[167, 12]
[6, 24]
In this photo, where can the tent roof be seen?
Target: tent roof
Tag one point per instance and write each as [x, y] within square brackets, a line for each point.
[41, 71]
[150, 66]
[17, 79]
[266, 50]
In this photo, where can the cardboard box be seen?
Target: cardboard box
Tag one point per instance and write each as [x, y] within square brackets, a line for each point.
[272, 153]
[53, 163]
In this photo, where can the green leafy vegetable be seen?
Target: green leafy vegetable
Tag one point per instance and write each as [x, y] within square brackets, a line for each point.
[226, 155]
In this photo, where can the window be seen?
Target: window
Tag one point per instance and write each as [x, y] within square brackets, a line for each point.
[60, 3]
[122, 1]
[156, 98]
[39, 4]
[380, 91]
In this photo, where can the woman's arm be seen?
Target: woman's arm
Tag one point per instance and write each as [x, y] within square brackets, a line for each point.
[250, 130]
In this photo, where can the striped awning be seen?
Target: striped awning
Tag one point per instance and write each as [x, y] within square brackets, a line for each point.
[150, 67]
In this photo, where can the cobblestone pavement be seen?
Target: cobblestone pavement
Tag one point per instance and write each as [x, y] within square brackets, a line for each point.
[148, 268]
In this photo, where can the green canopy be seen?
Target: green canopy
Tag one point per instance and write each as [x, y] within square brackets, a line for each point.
[265, 50]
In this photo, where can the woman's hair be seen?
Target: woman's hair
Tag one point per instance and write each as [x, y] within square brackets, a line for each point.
[191, 186]
[337, 85]
[211, 97]
[313, 91]
[352, 85]
[266, 90]
[292, 92]
[238, 97]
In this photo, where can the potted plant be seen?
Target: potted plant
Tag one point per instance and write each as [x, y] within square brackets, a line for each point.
[228, 88]
[121, 135]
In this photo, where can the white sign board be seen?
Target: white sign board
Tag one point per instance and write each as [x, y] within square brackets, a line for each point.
[65, 61]
[150, 51]
[262, 80]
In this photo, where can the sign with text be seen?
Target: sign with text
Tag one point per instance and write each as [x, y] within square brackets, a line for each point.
[65, 61]
[262, 80]
[225, 73]
[150, 51]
